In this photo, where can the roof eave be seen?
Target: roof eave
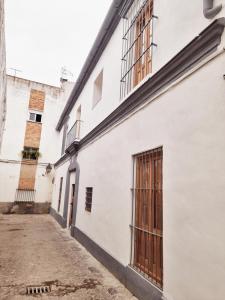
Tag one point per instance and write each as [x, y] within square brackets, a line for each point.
[107, 29]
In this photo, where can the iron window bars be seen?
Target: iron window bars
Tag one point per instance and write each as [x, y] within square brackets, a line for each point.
[137, 45]
[147, 216]
[73, 134]
[30, 153]
[88, 202]
[25, 195]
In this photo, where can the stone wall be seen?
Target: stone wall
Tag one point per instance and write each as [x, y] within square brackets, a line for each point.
[2, 71]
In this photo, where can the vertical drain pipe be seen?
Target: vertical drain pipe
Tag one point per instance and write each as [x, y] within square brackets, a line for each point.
[209, 11]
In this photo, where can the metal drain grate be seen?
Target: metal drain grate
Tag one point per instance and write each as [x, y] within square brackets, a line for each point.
[38, 290]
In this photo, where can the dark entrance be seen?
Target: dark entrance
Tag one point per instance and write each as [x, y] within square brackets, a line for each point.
[72, 199]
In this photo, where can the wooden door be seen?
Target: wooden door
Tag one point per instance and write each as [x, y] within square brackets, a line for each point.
[72, 204]
[148, 229]
[143, 39]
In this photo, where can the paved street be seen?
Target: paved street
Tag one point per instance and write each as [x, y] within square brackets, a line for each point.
[35, 252]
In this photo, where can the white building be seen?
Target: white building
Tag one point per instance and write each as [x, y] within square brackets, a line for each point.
[141, 181]
[2, 71]
[30, 144]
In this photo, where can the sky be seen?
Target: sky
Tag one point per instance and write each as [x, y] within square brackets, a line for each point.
[42, 36]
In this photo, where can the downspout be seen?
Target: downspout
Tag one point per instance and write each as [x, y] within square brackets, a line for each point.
[209, 11]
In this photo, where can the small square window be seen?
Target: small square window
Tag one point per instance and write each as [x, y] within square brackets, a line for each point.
[88, 203]
[32, 117]
[35, 117]
[98, 89]
[38, 118]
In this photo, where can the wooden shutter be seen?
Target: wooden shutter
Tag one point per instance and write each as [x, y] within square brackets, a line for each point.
[148, 227]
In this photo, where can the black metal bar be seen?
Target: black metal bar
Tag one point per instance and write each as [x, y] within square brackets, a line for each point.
[74, 133]
[135, 18]
[136, 61]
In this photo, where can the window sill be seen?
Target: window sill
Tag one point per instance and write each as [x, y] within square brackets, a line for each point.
[137, 86]
[34, 122]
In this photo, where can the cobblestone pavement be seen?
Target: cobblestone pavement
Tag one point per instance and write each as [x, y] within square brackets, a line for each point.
[35, 252]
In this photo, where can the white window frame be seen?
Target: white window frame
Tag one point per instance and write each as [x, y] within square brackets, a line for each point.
[35, 113]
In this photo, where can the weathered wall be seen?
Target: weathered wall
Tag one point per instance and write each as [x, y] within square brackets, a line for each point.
[32, 135]
[2, 71]
[27, 175]
[19, 132]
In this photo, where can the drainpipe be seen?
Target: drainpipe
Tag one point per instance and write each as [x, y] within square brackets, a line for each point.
[209, 11]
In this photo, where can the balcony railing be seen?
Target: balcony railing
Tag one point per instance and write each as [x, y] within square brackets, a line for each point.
[25, 195]
[73, 134]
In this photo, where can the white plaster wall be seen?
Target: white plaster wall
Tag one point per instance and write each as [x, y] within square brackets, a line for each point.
[18, 94]
[43, 185]
[17, 115]
[188, 121]
[2, 71]
[178, 23]
[9, 178]
[60, 171]
[110, 63]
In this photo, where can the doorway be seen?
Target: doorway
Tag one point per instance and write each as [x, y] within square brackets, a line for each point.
[71, 204]
[71, 201]
[148, 217]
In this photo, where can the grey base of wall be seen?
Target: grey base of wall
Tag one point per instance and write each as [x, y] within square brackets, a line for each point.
[138, 285]
[25, 208]
[135, 283]
[57, 217]
[5, 207]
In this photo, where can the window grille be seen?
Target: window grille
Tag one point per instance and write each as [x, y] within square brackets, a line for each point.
[30, 153]
[137, 45]
[147, 220]
[88, 203]
[25, 195]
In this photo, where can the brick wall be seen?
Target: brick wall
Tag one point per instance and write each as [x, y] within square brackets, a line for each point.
[27, 175]
[32, 139]
[32, 135]
[37, 100]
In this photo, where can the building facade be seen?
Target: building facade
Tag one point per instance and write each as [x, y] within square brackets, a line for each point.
[140, 178]
[27, 156]
[2, 71]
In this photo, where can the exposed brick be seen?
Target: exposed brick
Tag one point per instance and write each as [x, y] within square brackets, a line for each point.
[37, 100]
[32, 135]
[27, 176]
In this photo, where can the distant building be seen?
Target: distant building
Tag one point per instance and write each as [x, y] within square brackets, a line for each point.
[30, 144]
[2, 71]
[140, 181]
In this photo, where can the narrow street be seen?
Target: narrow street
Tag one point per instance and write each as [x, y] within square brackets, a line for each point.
[36, 252]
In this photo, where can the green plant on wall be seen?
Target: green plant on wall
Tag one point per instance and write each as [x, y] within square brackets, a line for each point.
[30, 153]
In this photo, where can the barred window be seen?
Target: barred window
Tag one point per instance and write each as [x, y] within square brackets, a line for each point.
[30, 153]
[137, 45]
[147, 223]
[88, 203]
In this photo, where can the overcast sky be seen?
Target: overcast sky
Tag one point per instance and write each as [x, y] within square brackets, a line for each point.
[42, 36]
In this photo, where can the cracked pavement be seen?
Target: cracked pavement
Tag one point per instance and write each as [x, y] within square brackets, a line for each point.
[36, 252]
